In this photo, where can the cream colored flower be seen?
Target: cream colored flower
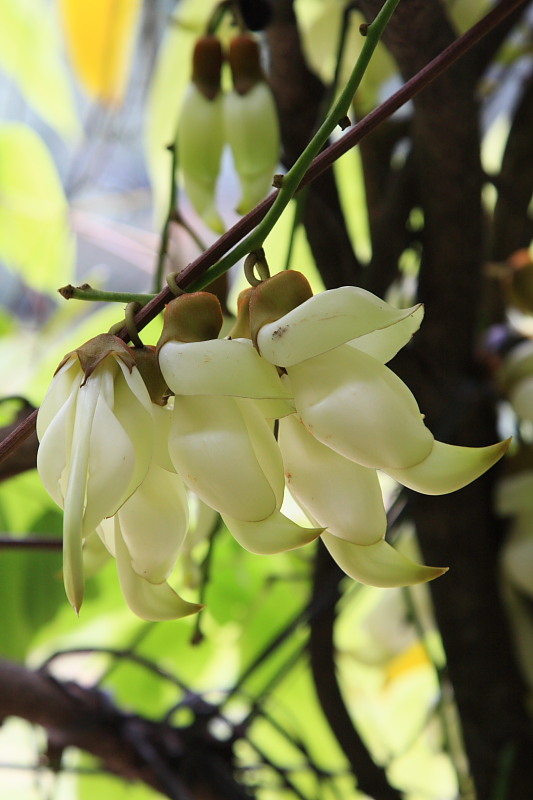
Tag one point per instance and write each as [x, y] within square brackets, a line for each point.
[95, 429]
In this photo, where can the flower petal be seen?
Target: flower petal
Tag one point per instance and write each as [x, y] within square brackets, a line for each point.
[383, 343]
[449, 467]
[133, 410]
[328, 320]
[154, 524]
[66, 379]
[514, 494]
[274, 534]
[219, 366]
[361, 409]
[111, 466]
[153, 602]
[54, 449]
[216, 450]
[200, 141]
[378, 564]
[339, 494]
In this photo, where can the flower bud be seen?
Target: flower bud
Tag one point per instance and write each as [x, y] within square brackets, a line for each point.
[251, 122]
[200, 137]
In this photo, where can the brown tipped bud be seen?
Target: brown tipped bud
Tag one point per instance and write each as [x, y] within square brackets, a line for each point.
[148, 365]
[207, 66]
[93, 352]
[244, 60]
[275, 297]
[193, 317]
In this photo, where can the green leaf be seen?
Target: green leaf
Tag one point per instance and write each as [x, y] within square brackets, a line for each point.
[30, 54]
[35, 240]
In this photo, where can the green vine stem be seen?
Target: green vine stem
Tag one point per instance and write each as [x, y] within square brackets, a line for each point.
[291, 181]
[86, 292]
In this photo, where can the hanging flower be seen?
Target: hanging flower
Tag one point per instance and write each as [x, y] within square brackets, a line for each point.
[220, 441]
[201, 137]
[95, 428]
[251, 123]
[333, 347]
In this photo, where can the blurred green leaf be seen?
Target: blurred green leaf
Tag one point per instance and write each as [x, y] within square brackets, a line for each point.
[35, 240]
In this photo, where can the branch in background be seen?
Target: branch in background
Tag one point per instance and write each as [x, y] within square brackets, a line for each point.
[174, 762]
[371, 778]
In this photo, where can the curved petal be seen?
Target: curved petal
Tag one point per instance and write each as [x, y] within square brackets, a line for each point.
[517, 555]
[383, 343]
[133, 409]
[271, 535]
[154, 524]
[162, 424]
[219, 367]
[75, 491]
[211, 448]
[358, 407]
[378, 564]
[111, 465]
[449, 467]
[326, 321]
[95, 554]
[153, 602]
[54, 450]
[63, 384]
[339, 494]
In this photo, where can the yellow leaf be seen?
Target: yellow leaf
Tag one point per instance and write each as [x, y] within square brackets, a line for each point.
[100, 37]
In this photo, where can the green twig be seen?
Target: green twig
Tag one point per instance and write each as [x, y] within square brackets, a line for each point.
[86, 292]
[294, 176]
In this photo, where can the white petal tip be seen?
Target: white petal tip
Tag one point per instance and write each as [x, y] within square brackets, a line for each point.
[449, 467]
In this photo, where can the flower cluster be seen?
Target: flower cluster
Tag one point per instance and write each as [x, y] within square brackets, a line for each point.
[245, 118]
[297, 397]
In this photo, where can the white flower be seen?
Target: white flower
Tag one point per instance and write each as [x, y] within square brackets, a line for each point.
[251, 123]
[96, 438]
[201, 136]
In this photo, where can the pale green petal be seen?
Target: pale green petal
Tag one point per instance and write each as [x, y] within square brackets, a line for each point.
[449, 467]
[162, 423]
[517, 554]
[153, 602]
[514, 494]
[339, 494]
[219, 366]
[265, 446]
[252, 130]
[64, 383]
[383, 343]
[328, 320]
[133, 410]
[200, 141]
[275, 409]
[111, 465]
[154, 524]
[106, 534]
[378, 564]
[211, 449]
[271, 535]
[75, 490]
[54, 450]
[360, 408]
